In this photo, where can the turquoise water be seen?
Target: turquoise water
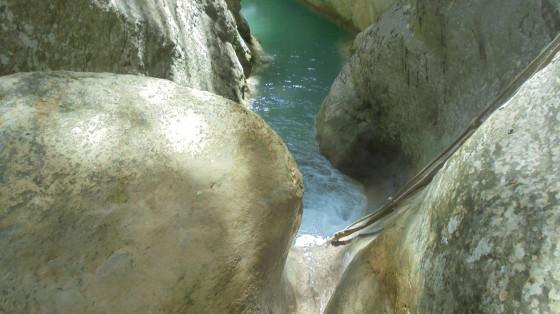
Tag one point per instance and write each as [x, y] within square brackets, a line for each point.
[307, 53]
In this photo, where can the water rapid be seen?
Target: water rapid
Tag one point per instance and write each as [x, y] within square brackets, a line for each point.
[306, 54]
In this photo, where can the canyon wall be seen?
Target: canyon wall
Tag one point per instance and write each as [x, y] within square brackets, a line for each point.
[420, 76]
[195, 43]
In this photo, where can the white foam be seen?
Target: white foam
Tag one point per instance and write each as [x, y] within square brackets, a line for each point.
[305, 240]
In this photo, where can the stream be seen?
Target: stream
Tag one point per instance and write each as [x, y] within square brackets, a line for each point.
[306, 53]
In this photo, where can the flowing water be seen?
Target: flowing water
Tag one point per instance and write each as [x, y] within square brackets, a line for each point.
[307, 54]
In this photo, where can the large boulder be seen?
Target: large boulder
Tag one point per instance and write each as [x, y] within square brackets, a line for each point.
[420, 76]
[194, 43]
[354, 14]
[121, 193]
[483, 236]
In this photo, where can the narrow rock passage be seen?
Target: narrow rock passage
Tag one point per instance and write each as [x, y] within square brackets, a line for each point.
[305, 53]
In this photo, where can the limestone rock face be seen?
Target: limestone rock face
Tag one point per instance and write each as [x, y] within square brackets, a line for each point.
[483, 236]
[194, 43]
[422, 73]
[121, 193]
[355, 14]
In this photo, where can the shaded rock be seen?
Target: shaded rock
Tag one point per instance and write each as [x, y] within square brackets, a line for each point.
[420, 76]
[354, 14]
[482, 236]
[242, 24]
[121, 193]
[194, 43]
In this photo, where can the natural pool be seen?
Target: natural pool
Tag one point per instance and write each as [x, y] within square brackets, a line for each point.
[307, 52]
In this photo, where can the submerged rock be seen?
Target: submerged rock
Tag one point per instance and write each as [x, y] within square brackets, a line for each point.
[421, 74]
[194, 43]
[354, 14]
[130, 194]
[483, 236]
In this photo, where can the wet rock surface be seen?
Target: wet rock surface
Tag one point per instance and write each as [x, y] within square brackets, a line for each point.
[131, 194]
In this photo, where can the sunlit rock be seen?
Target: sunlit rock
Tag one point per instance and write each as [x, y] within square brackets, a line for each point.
[194, 43]
[125, 194]
[483, 236]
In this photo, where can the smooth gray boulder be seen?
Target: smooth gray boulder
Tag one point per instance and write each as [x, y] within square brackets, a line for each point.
[127, 194]
[483, 236]
[192, 42]
[420, 76]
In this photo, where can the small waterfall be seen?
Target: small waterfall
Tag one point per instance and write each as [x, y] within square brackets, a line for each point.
[306, 54]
